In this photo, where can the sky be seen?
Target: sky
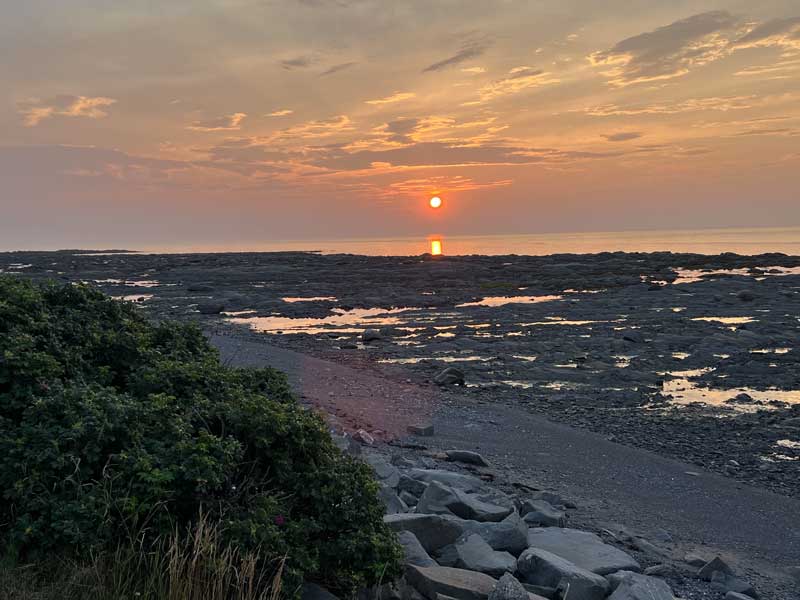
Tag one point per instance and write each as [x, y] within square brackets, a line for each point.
[151, 123]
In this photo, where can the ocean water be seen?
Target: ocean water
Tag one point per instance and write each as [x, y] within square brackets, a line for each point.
[703, 241]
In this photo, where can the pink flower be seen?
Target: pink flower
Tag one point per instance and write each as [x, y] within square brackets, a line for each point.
[280, 520]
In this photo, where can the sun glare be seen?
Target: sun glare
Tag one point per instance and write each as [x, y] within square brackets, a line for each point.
[436, 202]
[436, 247]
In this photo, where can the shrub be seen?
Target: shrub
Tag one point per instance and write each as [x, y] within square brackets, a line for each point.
[112, 426]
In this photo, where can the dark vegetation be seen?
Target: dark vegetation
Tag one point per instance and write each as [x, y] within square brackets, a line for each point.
[119, 435]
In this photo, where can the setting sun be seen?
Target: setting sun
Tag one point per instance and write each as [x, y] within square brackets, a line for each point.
[436, 202]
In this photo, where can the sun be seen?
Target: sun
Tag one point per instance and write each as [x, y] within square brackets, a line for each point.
[436, 202]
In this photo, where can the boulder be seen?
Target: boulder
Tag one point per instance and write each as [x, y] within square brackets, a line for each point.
[543, 568]
[425, 430]
[633, 335]
[583, 549]
[432, 531]
[468, 483]
[510, 534]
[471, 552]
[210, 308]
[540, 513]
[450, 376]
[409, 499]
[312, 591]
[414, 552]
[725, 582]
[371, 335]
[707, 571]
[364, 438]
[553, 498]
[466, 457]
[635, 586]
[385, 473]
[441, 499]
[411, 485]
[455, 583]
[737, 596]
[508, 588]
[746, 296]
[391, 502]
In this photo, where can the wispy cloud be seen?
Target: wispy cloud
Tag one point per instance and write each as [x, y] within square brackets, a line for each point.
[226, 123]
[669, 51]
[623, 136]
[722, 104]
[783, 33]
[396, 97]
[473, 70]
[299, 62]
[517, 80]
[470, 50]
[35, 111]
[280, 113]
[337, 68]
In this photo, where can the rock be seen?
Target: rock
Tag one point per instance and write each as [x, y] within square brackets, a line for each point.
[794, 572]
[411, 485]
[450, 376]
[474, 554]
[510, 534]
[553, 498]
[414, 552]
[662, 571]
[441, 499]
[455, 583]
[371, 335]
[385, 473]
[582, 548]
[544, 568]
[635, 586]
[468, 483]
[210, 308]
[312, 591]
[508, 588]
[199, 287]
[694, 560]
[391, 502]
[363, 437]
[746, 296]
[540, 513]
[432, 531]
[737, 596]
[725, 582]
[347, 445]
[421, 430]
[466, 457]
[550, 593]
[409, 499]
[633, 335]
[716, 564]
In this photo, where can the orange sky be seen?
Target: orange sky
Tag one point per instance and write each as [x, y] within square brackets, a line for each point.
[142, 123]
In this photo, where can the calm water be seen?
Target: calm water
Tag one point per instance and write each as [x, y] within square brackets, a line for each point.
[709, 241]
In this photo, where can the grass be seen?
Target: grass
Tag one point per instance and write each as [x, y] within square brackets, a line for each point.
[191, 566]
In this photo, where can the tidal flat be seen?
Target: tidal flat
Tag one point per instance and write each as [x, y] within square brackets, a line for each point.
[690, 356]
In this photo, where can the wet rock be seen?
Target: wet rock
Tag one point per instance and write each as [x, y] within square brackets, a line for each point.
[746, 296]
[371, 335]
[414, 552]
[539, 513]
[446, 581]
[471, 552]
[582, 548]
[421, 430]
[716, 564]
[312, 591]
[544, 568]
[210, 308]
[509, 588]
[466, 457]
[635, 586]
[441, 499]
[433, 531]
[450, 376]
[633, 335]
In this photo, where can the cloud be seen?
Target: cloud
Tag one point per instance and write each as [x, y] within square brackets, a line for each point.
[783, 33]
[299, 62]
[623, 136]
[767, 131]
[669, 51]
[227, 123]
[396, 97]
[35, 111]
[474, 70]
[314, 129]
[337, 68]
[280, 113]
[774, 70]
[517, 80]
[469, 50]
[722, 104]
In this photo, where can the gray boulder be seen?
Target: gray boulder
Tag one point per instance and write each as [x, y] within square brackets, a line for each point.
[737, 596]
[471, 552]
[312, 591]
[468, 483]
[385, 473]
[553, 498]
[371, 335]
[391, 502]
[635, 586]
[414, 552]
[725, 582]
[543, 568]
[716, 564]
[441, 499]
[409, 499]
[425, 430]
[432, 531]
[508, 588]
[466, 457]
[450, 376]
[210, 308]
[540, 513]
[583, 549]
[411, 485]
[510, 534]
[454, 583]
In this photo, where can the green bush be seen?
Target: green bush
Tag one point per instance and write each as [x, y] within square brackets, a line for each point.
[112, 426]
